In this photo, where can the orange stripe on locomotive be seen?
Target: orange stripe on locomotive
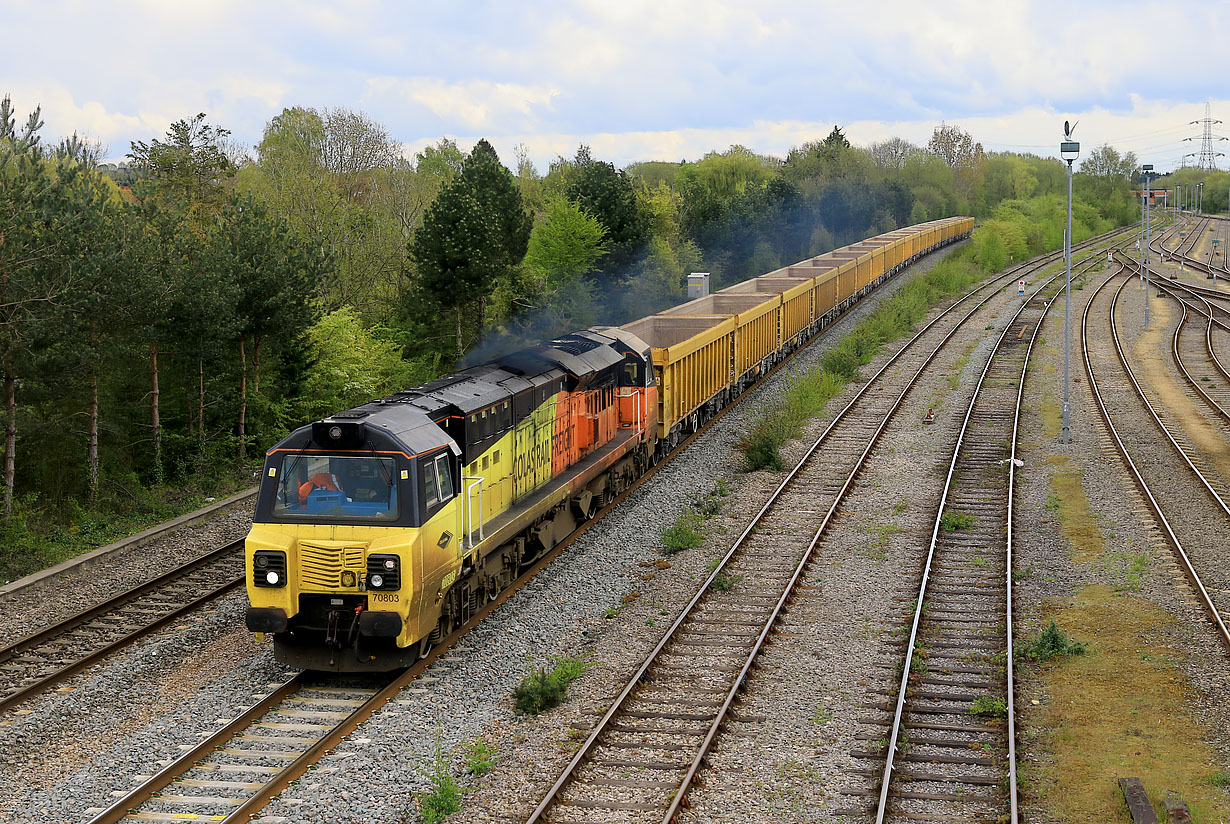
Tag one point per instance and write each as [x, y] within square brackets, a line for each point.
[584, 421]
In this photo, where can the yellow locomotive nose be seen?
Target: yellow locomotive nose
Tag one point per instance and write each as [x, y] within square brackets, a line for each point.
[329, 566]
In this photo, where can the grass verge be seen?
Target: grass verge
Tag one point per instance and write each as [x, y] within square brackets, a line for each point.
[807, 395]
[1124, 710]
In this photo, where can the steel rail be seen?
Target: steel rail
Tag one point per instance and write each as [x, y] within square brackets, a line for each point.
[1152, 410]
[47, 634]
[1190, 571]
[679, 796]
[1168, 287]
[1184, 305]
[251, 807]
[899, 711]
[1202, 295]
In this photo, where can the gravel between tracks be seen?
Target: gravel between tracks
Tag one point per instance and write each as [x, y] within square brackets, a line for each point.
[834, 654]
[42, 604]
[374, 775]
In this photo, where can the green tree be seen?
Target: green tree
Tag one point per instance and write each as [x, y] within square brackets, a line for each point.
[565, 244]
[87, 323]
[190, 165]
[275, 279]
[340, 181]
[36, 193]
[608, 195]
[473, 234]
[1105, 161]
[961, 153]
[672, 256]
[351, 365]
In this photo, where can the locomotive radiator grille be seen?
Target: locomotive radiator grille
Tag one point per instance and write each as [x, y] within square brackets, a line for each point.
[322, 567]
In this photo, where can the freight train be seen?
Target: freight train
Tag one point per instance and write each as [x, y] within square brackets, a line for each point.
[380, 529]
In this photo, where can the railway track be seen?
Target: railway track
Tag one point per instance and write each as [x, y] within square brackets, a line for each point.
[1189, 346]
[644, 754]
[1186, 347]
[40, 661]
[941, 759]
[1169, 480]
[277, 739]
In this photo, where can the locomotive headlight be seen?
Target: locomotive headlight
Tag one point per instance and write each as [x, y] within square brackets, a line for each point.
[335, 432]
[269, 568]
[384, 572]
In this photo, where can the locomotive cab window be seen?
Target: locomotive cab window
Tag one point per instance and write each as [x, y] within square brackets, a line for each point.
[337, 486]
[437, 483]
[635, 372]
[632, 373]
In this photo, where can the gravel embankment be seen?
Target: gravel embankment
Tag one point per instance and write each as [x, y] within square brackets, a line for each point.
[206, 669]
[43, 603]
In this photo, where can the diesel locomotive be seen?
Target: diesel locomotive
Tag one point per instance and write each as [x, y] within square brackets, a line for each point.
[380, 529]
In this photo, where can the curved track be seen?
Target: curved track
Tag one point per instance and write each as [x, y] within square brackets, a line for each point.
[1167, 478]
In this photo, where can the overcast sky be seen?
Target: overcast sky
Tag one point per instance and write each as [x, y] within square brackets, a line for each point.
[658, 80]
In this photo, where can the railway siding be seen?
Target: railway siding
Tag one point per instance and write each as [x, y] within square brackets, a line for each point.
[602, 571]
[1081, 564]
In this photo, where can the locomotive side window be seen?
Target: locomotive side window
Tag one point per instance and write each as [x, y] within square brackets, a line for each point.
[632, 373]
[336, 486]
[445, 476]
[430, 484]
[437, 482]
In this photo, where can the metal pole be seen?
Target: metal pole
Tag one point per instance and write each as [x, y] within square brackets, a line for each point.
[1140, 241]
[1147, 194]
[1067, 311]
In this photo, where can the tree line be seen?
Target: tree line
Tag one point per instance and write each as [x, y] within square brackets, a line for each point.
[164, 319]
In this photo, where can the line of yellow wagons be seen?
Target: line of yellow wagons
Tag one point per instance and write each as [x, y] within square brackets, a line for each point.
[712, 347]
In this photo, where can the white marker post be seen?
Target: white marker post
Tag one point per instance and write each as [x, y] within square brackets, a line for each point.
[1020, 288]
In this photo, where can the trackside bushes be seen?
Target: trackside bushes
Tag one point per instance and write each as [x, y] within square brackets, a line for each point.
[543, 689]
[804, 399]
[807, 395]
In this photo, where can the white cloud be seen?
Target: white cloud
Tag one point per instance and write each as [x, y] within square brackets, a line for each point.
[476, 104]
[644, 77]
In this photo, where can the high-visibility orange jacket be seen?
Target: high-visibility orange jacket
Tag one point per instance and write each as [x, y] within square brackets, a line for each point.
[321, 480]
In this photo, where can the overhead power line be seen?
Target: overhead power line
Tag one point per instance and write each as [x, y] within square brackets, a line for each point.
[1207, 155]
